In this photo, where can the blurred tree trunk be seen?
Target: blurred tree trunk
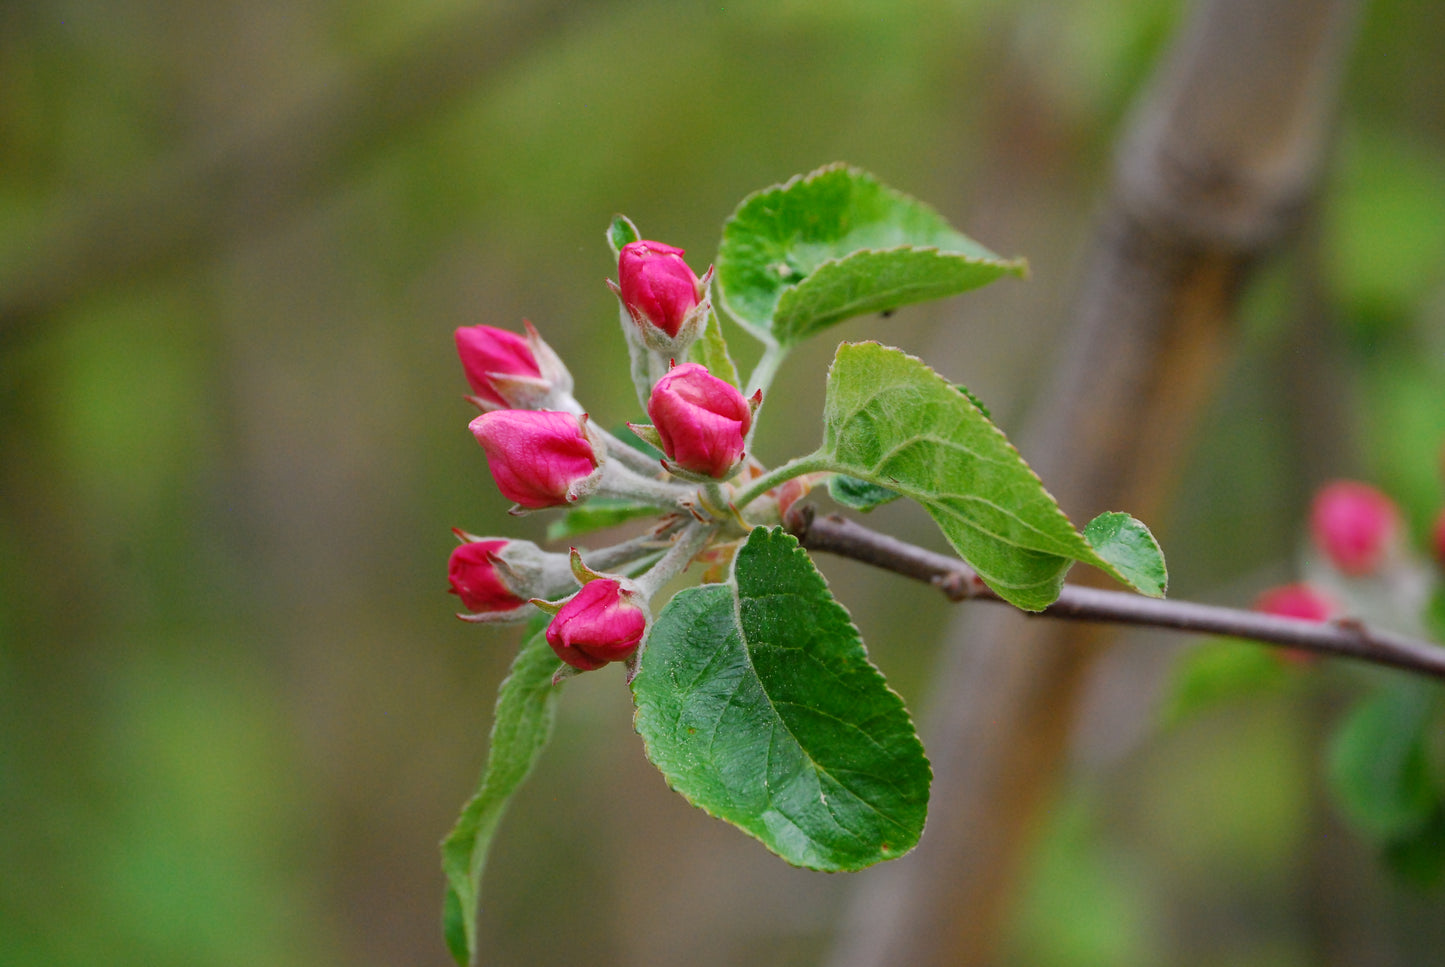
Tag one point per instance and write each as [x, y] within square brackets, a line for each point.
[1222, 156]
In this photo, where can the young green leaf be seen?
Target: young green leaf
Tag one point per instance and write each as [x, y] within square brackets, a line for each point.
[526, 708]
[836, 243]
[1379, 764]
[597, 513]
[892, 421]
[1128, 545]
[757, 701]
[1218, 671]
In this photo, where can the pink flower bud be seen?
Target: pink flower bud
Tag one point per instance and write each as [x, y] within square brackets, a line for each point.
[539, 458]
[508, 371]
[476, 578]
[656, 285]
[598, 625]
[703, 420]
[487, 352]
[1297, 601]
[1353, 524]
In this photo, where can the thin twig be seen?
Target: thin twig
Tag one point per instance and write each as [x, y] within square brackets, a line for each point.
[1343, 637]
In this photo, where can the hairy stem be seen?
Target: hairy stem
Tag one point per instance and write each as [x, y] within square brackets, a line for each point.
[812, 463]
[762, 377]
[1344, 637]
[685, 547]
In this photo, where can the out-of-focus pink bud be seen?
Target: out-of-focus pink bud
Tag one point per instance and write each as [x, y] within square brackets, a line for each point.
[656, 286]
[1297, 601]
[539, 458]
[703, 421]
[477, 576]
[600, 624]
[1354, 525]
[1437, 539]
[509, 371]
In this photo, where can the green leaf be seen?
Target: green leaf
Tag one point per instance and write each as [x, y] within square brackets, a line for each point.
[836, 243]
[597, 513]
[1418, 857]
[1219, 671]
[526, 708]
[892, 421]
[1379, 765]
[1127, 544]
[621, 232]
[757, 701]
[1434, 616]
[711, 350]
[859, 494]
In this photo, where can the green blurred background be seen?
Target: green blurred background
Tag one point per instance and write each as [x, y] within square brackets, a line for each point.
[236, 713]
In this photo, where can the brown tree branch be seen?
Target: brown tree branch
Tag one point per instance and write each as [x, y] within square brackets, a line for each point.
[1344, 637]
[1222, 155]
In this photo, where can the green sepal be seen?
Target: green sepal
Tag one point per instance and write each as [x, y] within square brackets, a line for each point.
[526, 709]
[756, 700]
[621, 232]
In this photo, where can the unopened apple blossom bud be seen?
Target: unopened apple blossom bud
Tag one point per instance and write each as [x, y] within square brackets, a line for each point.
[602, 623]
[1354, 526]
[478, 576]
[510, 371]
[539, 458]
[656, 286]
[1297, 601]
[703, 421]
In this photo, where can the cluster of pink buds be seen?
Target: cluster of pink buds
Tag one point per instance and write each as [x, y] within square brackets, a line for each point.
[543, 451]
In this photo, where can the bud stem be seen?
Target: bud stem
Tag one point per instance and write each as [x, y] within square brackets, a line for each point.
[685, 547]
[812, 463]
[625, 453]
[625, 484]
[629, 551]
[762, 376]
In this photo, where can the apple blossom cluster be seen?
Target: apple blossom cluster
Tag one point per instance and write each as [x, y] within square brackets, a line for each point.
[544, 451]
[1358, 551]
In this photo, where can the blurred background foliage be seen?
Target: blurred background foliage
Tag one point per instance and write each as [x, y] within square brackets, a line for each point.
[236, 713]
